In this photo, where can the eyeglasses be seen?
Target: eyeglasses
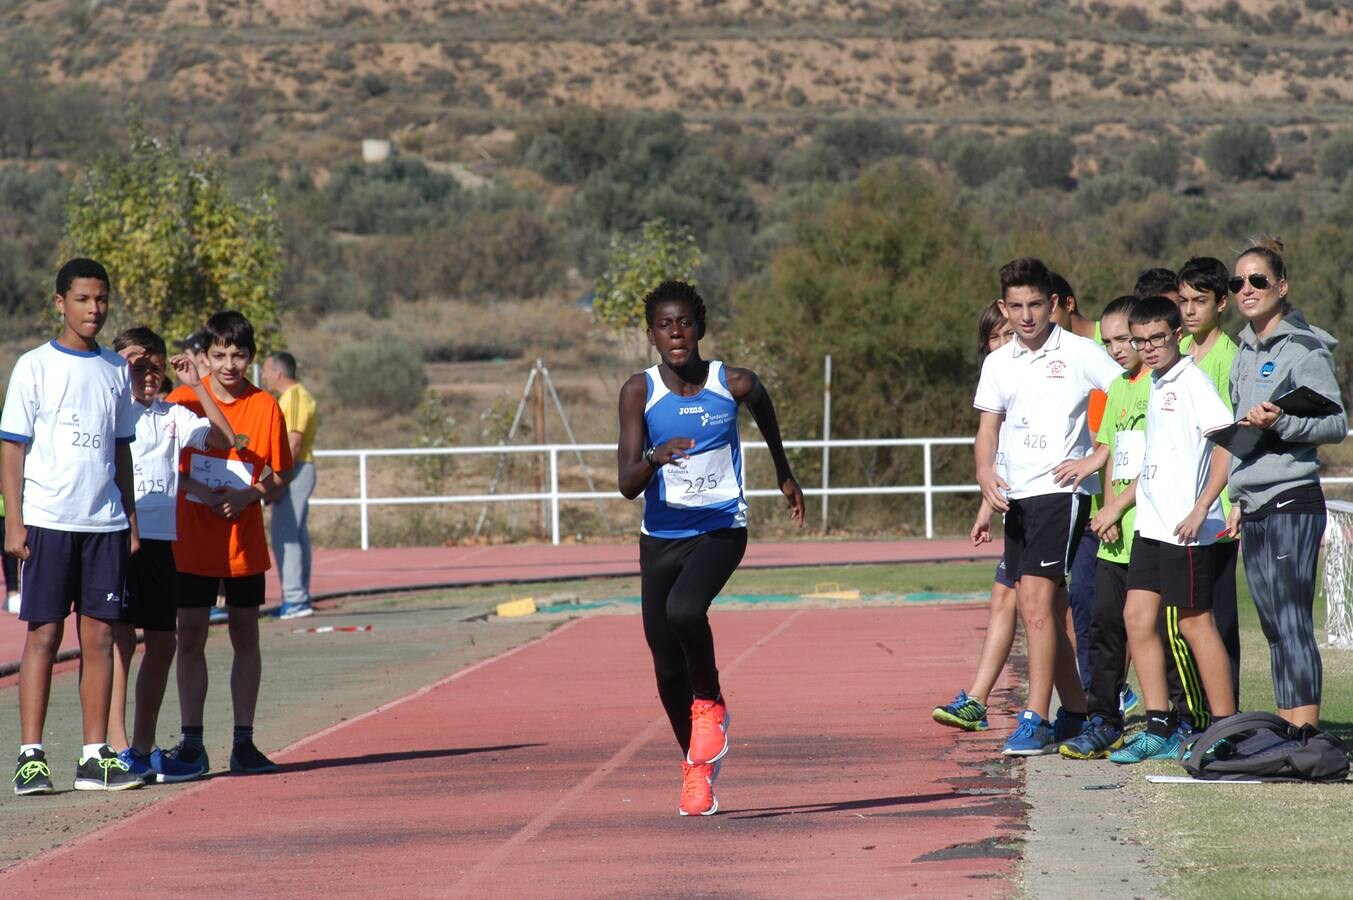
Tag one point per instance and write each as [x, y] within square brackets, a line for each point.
[1156, 340]
[1257, 281]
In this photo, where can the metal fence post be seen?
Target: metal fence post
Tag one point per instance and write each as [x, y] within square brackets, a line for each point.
[362, 493]
[554, 494]
[826, 437]
[929, 496]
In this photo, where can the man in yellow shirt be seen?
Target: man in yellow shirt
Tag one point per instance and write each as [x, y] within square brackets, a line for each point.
[290, 531]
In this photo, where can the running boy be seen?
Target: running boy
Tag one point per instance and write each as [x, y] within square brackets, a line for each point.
[1123, 434]
[163, 430]
[71, 519]
[1038, 387]
[222, 541]
[679, 447]
[1174, 558]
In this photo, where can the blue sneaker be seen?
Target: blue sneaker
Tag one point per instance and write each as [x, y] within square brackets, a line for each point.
[964, 712]
[218, 615]
[185, 758]
[1097, 739]
[1128, 701]
[138, 765]
[171, 770]
[1066, 725]
[1031, 737]
[295, 611]
[1144, 746]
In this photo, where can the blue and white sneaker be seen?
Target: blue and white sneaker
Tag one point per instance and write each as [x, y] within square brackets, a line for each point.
[138, 765]
[218, 615]
[1031, 737]
[171, 770]
[185, 758]
[295, 610]
[1128, 701]
[1145, 745]
[964, 712]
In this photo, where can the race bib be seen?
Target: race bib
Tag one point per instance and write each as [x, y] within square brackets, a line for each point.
[80, 435]
[706, 479]
[154, 477]
[1129, 449]
[219, 474]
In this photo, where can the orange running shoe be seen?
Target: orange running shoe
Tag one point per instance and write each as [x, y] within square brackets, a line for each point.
[697, 789]
[709, 732]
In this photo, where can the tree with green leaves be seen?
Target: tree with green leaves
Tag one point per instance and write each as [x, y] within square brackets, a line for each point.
[177, 244]
[636, 264]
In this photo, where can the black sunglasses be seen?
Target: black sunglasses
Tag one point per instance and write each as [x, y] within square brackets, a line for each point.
[1257, 281]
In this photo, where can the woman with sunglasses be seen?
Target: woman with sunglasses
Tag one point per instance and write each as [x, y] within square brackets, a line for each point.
[1278, 507]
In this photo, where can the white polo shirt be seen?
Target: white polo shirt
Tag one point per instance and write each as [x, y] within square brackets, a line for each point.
[162, 431]
[1184, 406]
[69, 408]
[1044, 395]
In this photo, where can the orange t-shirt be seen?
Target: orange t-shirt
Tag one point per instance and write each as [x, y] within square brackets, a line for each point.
[208, 544]
[1098, 400]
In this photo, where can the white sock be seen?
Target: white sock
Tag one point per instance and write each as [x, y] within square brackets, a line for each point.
[24, 748]
[91, 750]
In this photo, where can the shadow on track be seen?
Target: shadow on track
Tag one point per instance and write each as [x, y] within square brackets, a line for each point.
[773, 812]
[403, 756]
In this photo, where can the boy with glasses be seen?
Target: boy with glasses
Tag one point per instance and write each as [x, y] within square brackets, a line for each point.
[1038, 388]
[1174, 558]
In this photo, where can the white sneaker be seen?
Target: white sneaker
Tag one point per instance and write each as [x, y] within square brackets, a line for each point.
[12, 603]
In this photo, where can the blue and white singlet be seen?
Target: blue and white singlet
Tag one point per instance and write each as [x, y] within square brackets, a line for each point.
[703, 492]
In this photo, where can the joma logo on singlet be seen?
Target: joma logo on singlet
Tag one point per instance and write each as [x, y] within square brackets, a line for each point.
[691, 411]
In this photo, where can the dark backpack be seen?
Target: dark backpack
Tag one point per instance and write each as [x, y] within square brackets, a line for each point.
[1261, 746]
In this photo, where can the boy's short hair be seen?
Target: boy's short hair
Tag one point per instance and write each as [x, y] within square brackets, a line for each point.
[1026, 271]
[230, 328]
[80, 268]
[143, 337]
[1155, 283]
[195, 342]
[1156, 309]
[1205, 273]
[1060, 286]
[286, 362]
[1120, 306]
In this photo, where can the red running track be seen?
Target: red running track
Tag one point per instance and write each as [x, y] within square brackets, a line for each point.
[549, 771]
[339, 572]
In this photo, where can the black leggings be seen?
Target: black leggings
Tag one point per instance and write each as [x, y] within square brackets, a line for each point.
[680, 578]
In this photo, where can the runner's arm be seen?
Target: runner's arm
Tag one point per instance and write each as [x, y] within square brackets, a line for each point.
[747, 388]
[11, 481]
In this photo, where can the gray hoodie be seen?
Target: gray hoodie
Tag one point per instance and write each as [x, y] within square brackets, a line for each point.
[1295, 354]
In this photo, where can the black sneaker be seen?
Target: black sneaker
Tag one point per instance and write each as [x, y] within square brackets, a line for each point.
[105, 772]
[246, 759]
[31, 775]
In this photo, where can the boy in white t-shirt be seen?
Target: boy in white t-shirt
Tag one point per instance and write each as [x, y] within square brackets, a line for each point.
[1179, 517]
[71, 519]
[1038, 387]
[163, 430]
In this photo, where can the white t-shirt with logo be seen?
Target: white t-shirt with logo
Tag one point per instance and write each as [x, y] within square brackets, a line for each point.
[163, 430]
[70, 408]
[1044, 395]
[1184, 406]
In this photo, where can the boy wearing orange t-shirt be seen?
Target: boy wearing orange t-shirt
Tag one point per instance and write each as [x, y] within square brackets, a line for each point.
[221, 540]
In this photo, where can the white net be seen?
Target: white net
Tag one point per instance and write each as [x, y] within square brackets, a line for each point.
[1338, 574]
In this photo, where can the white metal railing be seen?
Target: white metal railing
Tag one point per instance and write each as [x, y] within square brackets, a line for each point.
[554, 497]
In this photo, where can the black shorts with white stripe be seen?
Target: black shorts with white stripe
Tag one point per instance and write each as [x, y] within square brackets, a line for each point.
[1042, 534]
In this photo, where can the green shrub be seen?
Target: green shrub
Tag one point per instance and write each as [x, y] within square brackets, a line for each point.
[975, 161]
[1045, 157]
[378, 372]
[1336, 156]
[1158, 161]
[1094, 195]
[549, 157]
[1239, 152]
[401, 196]
[841, 148]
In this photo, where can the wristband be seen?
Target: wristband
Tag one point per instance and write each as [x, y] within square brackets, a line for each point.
[648, 455]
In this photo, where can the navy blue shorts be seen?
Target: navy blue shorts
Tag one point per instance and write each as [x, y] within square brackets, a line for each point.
[200, 591]
[84, 569]
[152, 586]
[1003, 574]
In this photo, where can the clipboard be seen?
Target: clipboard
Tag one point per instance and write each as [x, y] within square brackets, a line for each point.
[1245, 441]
